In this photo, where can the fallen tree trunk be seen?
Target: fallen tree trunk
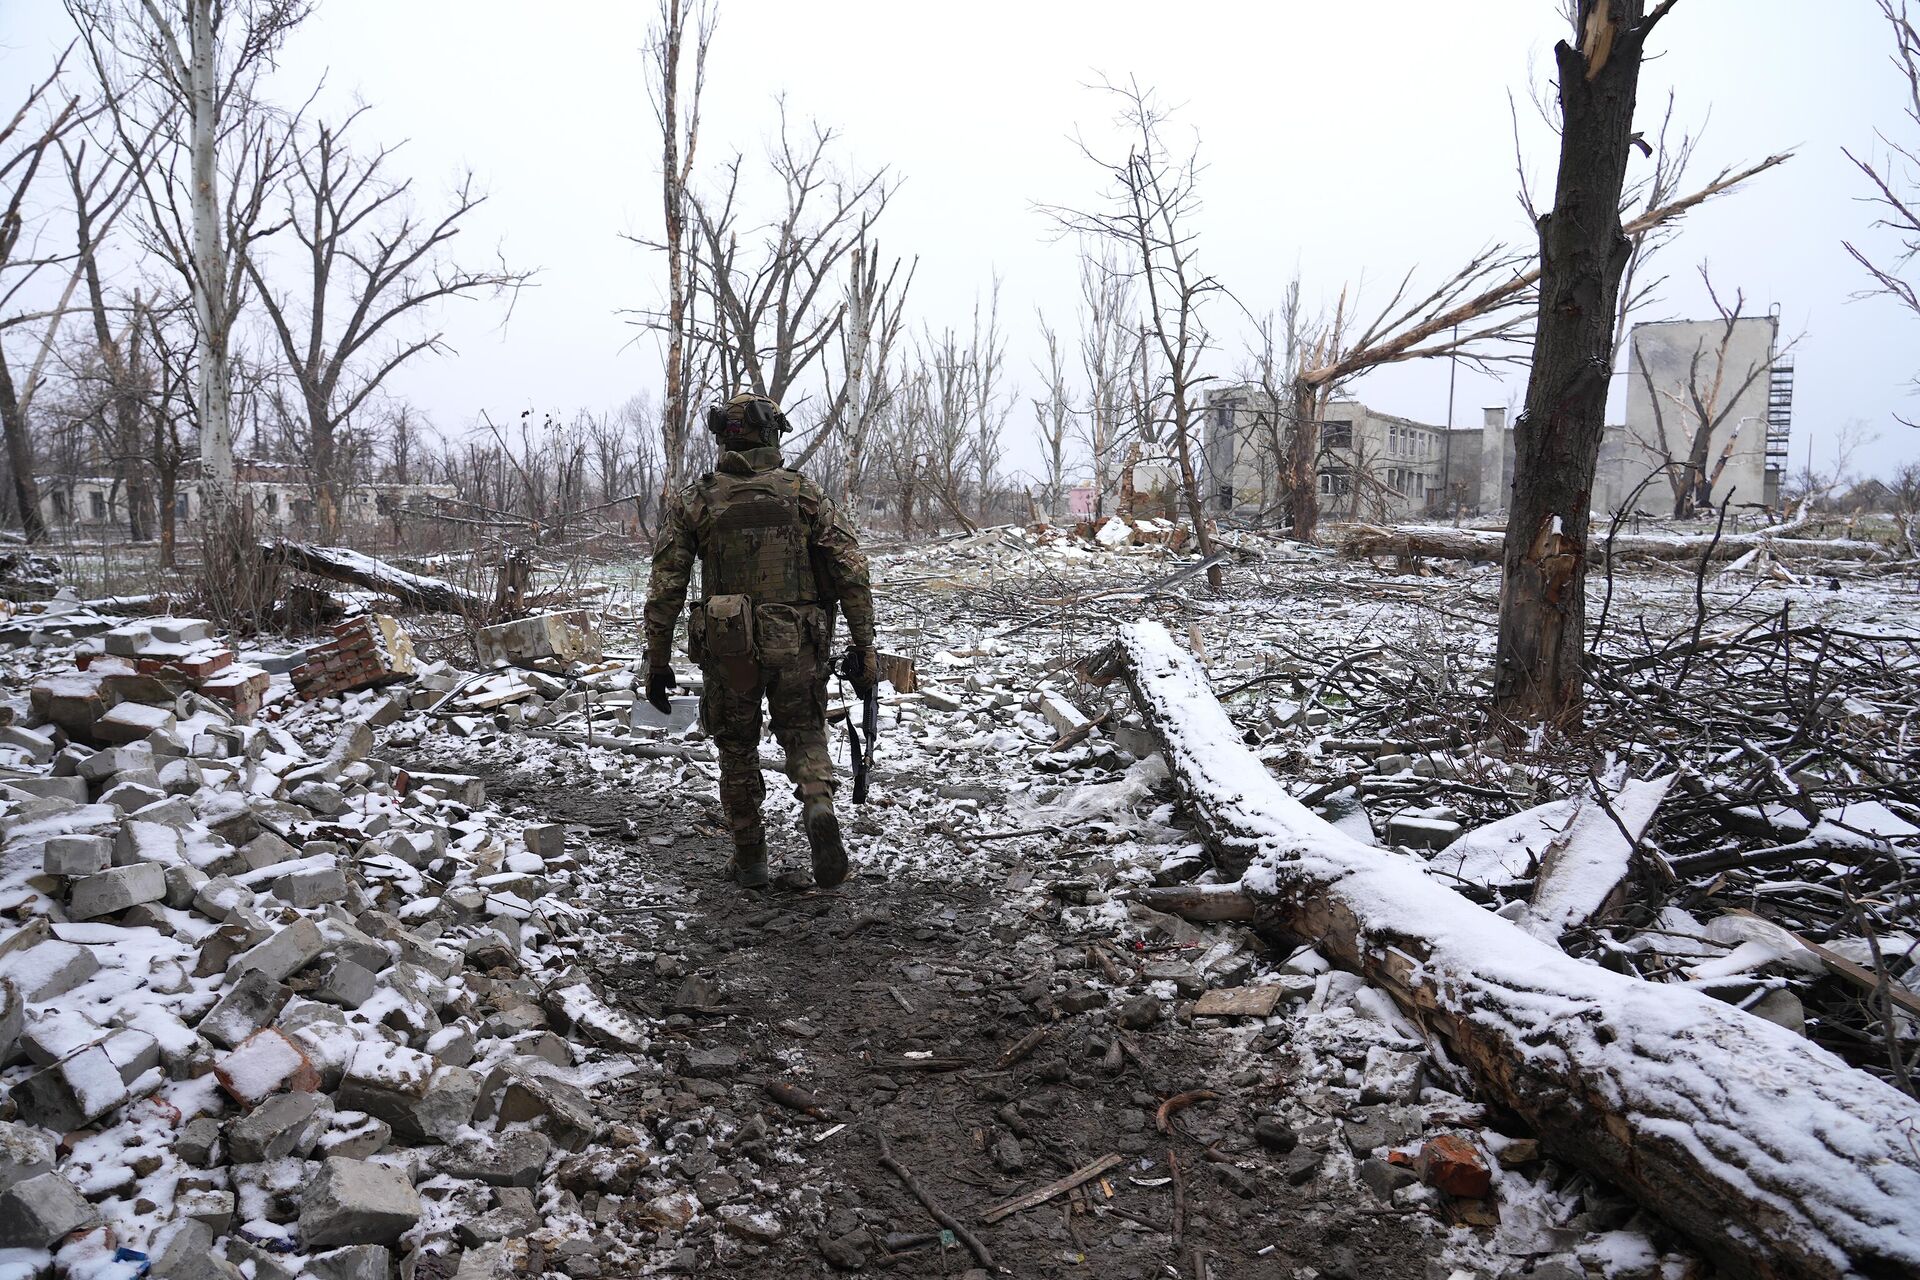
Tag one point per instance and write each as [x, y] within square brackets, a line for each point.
[1775, 1156]
[1443, 542]
[436, 595]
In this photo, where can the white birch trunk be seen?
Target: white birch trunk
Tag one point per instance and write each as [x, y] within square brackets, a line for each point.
[210, 279]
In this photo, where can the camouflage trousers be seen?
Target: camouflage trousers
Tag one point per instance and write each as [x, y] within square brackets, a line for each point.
[795, 693]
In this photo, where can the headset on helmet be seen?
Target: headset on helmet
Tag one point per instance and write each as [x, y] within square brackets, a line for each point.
[756, 411]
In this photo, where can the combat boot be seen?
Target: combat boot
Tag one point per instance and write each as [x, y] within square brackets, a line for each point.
[748, 865]
[823, 834]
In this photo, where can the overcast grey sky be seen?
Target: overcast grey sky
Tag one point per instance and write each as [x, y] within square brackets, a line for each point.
[1349, 141]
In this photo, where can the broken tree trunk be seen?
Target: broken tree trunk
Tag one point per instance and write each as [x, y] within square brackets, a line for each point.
[1445, 543]
[343, 565]
[1778, 1158]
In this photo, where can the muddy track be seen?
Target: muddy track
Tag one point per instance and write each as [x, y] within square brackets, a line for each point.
[889, 1004]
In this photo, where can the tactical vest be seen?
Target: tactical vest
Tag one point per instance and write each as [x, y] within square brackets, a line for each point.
[757, 546]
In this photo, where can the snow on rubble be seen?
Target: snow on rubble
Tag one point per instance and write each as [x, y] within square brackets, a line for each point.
[422, 1070]
[269, 1004]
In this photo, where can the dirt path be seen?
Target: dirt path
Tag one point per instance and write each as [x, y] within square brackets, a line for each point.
[890, 1002]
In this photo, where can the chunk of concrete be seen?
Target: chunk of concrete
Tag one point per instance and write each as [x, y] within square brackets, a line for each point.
[76, 855]
[513, 1158]
[75, 1091]
[347, 1202]
[252, 1003]
[421, 1097]
[286, 1124]
[355, 1262]
[285, 953]
[35, 1212]
[112, 891]
[25, 1152]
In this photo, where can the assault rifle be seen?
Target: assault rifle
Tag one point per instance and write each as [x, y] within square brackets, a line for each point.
[852, 667]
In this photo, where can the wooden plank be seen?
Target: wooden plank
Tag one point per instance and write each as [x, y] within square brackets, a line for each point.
[1860, 976]
[1040, 1195]
[1239, 1002]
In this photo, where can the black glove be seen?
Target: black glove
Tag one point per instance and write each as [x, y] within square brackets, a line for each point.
[863, 670]
[660, 682]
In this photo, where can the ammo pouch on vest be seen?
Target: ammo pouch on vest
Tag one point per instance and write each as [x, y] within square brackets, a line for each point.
[728, 628]
[780, 630]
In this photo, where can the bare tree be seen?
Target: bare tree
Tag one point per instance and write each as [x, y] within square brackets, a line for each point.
[369, 268]
[1687, 417]
[1053, 420]
[777, 304]
[988, 404]
[1540, 667]
[179, 77]
[43, 119]
[678, 116]
[1153, 201]
[875, 309]
[1895, 178]
[937, 402]
[1107, 351]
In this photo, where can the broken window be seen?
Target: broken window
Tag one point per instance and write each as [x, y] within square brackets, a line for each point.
[97, 504]
[1337, 433]
[1335, 482]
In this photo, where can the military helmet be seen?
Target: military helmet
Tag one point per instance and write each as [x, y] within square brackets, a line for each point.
[749, 409]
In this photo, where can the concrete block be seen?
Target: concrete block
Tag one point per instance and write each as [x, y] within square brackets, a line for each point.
[195, 1141]
[71, 788]
[36, 744]
[286, 1124]
[174, 811]
[109, 761]
[422, 1098]
[35, 1212]
[267, 850]
[569, 636]
[132, 722]
[133, 1051]
[25, 1152]
[252, 1003]
[53, 1032]
[140, 841]
[129, 793]
[77, 855]
[285, 953]
[13, 1020]
[72, 1092]
[343, 983]
[349, 1202]
[220, 895]
[48, 969]
[322, 798]
[186, 1252]
[212, 1208]
[355, 1262]
[546, 839]
[181, 777]
[514, 1158]
[115, 889]
[516, 1092]
[314, 888]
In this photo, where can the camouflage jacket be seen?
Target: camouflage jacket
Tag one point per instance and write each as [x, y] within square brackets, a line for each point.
[838, 572]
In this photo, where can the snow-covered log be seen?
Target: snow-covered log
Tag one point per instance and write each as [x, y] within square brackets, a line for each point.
[1777, 1157]
[344, 565]
[1443, 542]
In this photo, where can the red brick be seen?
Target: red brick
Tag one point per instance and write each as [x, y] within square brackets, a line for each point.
[1455, 1166]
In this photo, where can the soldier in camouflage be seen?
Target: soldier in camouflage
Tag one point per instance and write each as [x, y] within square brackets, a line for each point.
[776, 559]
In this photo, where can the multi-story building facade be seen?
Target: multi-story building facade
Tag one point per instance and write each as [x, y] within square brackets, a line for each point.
[279, 494]
[1372, 466]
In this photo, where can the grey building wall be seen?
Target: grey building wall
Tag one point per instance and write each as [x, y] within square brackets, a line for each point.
[1670, 365]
